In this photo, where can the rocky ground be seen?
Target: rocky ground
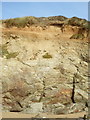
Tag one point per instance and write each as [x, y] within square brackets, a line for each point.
[44, 69]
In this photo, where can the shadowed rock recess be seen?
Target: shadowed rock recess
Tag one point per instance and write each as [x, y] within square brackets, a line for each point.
[44, 65]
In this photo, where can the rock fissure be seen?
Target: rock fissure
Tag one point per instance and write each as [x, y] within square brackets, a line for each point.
[23, 62]
[43, 92]
[19, 104]
[73, 90]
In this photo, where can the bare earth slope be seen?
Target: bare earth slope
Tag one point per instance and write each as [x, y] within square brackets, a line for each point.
[44, 69]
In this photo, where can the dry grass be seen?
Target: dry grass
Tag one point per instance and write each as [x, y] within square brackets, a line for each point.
[20, 22]
[43, 21]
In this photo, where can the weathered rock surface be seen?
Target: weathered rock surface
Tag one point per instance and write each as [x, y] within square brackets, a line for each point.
[49, 73]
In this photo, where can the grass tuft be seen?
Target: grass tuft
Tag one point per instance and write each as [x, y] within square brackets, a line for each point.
[47, 56]
[4, 52]
[12, 55]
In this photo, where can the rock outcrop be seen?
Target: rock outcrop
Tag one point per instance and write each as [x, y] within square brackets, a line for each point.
[44, 70]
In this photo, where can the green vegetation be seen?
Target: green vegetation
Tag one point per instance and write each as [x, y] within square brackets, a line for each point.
[4, 52]
[74, 21]
[20, 22]
[42, 21]
[77, 36]
[59, 18]
[47, 56]
[0, 21]
[11, 55]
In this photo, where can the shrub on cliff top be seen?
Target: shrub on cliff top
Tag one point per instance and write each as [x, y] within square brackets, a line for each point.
[20, 22]
[77, 36]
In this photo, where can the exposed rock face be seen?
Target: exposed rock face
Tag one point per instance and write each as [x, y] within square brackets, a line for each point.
[44, 71]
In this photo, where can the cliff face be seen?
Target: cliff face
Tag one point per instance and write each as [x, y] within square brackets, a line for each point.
[44, 68]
